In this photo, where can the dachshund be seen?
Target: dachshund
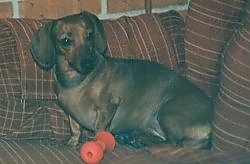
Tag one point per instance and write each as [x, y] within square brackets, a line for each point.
[123, 96]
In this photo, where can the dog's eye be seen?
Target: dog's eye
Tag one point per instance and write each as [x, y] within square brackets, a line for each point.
[66, 42]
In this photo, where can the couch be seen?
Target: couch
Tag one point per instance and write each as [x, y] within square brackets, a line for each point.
[210, 47]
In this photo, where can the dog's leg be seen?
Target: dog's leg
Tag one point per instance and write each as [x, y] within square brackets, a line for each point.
[105, 115]
[194, 136]
[76, 132]
[198, 137]
[186, 120]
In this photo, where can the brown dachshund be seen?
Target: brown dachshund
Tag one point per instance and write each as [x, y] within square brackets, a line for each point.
[120, 95]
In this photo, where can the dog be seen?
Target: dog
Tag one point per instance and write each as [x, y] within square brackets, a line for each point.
[122, 96]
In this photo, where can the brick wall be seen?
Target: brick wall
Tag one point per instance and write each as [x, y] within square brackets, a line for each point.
[103, 8]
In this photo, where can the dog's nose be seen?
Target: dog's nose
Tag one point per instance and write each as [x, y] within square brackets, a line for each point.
[66, 42]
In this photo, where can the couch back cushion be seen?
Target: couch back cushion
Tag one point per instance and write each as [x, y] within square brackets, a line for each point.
[232, 117]
[35, 83]
[209, 25]
[141, 37]
[175, 28]
[10, 81]
[22, 118]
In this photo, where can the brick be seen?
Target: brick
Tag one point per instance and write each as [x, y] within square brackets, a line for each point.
[126, 5]
[162, 3]
[56, 8]
[6, 10]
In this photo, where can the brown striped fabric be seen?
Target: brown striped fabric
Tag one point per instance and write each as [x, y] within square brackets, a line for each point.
[209, 24]
[192, 156]
[14, 152]
[175, 27]
[232, 121]
[10, 79]
[145, 37]
[35, 83]
[22, 118]
[33, 120]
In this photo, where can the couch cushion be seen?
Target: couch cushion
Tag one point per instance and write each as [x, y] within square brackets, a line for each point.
[32, 120]
[10, 81]
[190, 156]
[44, 153]
[209, 26]
[41, 153]
[143, 36]
[146, 37]
[21, 118]
[175, 27]
[232, 117]
[35, 83]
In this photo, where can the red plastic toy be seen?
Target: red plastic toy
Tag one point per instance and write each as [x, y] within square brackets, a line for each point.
[92, 151]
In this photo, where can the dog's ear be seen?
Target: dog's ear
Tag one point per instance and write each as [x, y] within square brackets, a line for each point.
[100, 42]
[42, 47]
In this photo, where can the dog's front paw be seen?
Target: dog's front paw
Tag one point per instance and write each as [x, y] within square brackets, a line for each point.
[76, 132]
[73, 141]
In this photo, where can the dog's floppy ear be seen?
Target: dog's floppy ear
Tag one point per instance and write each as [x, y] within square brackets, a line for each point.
[42, 47]
[99, 33]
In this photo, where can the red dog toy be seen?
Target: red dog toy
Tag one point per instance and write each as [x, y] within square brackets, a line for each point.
[92, 151]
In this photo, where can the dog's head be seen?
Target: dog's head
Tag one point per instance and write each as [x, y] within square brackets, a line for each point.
[75, 39]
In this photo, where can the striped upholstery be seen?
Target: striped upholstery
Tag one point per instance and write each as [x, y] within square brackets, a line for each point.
[190, 156]
[33, 119]
[209, 25]
[232, 121]
[13, 152]
[131, 37]
[22, 118]
[35, 83]
[10, 78]
[174, 25]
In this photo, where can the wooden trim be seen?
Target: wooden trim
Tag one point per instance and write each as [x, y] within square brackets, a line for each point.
[148, 6]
